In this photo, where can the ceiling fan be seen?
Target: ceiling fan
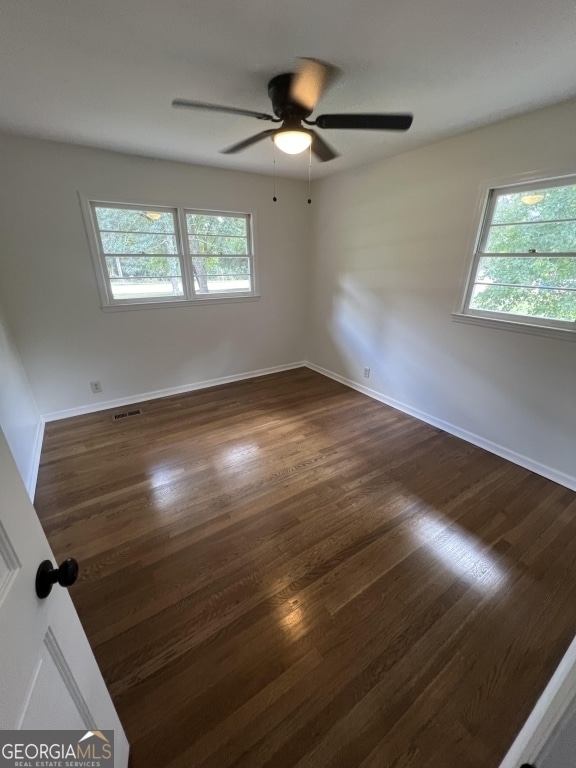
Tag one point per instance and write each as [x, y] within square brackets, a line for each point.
[294, 97]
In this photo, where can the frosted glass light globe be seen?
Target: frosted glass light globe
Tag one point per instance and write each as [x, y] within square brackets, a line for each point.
[292, 142]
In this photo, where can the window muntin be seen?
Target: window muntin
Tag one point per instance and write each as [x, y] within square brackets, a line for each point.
[525, 264]
[129, 230]
[157, 254]
[220, 248]
[140, 252]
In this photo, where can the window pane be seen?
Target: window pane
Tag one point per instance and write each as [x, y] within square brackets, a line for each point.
[557, 237]
[218, 244]
[536, 205]
[529, 271]
[210, 224]
[532, 302]
[222, 274]
[143, 266]
[144, 277]
[133, 220]
[146, 288]
[114, 242]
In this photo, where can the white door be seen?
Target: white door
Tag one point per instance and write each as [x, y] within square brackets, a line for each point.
[49, 678]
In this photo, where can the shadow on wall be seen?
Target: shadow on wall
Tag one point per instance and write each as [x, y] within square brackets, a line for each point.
[371, 327]
[357, 328]
[454, 381]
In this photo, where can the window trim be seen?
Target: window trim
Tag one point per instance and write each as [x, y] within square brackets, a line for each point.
[488, 195]
[190, 298]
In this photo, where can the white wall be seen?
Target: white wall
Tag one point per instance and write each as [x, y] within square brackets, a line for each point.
[387, 253]
[49, 292]
[19, 417]
[391, 245]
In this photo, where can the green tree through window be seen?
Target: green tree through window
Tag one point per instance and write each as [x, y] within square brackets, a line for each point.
[218, 247]
[527, 257]
[170, 253]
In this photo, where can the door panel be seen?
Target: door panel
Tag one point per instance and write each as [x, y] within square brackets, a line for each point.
[53, 681]
[9, 564]
[50, 678]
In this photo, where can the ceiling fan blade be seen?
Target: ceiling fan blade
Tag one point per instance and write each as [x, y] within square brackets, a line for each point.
[367, 122]
[311, 81]
[187, 104]
[321, 149]
[248, 142]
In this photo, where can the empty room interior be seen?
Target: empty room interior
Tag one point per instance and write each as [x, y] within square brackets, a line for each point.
[288, 368]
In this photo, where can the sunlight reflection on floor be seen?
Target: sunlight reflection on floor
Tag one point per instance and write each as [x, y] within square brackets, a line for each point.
[236, 453]
[459, 551]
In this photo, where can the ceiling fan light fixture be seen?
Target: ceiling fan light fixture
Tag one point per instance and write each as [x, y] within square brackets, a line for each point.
[294, 97]
[293, 141]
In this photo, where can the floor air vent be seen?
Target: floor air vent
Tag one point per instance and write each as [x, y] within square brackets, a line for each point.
[135, 412]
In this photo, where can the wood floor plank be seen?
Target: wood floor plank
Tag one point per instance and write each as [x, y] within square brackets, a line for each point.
[283, 573]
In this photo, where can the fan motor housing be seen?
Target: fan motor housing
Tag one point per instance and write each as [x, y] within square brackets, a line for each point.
[279, 93]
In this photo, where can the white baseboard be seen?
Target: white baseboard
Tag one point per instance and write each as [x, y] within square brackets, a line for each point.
[560, 692]
[35, 459]
[562, 478]
[568, 481]
[143, 396]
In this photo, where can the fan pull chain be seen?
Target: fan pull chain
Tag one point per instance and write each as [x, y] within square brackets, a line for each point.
[274, 198]
[309, 174]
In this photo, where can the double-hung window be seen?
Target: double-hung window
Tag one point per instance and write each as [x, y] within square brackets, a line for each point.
[157, 254]
[524, 267]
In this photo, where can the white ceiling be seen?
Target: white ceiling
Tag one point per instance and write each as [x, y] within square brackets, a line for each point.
[103, 72]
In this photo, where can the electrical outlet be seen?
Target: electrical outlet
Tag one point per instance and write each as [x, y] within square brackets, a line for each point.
[96, 386]
[366, 373]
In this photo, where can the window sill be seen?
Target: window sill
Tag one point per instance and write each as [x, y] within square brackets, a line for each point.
[567, 334]
[184, 303]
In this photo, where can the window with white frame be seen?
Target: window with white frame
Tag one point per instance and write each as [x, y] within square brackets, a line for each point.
[524, 267]
[152, 254]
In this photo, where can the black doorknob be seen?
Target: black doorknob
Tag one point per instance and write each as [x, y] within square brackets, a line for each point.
[47, 576]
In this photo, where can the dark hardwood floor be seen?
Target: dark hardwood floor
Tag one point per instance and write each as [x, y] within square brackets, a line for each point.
[282, 572]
